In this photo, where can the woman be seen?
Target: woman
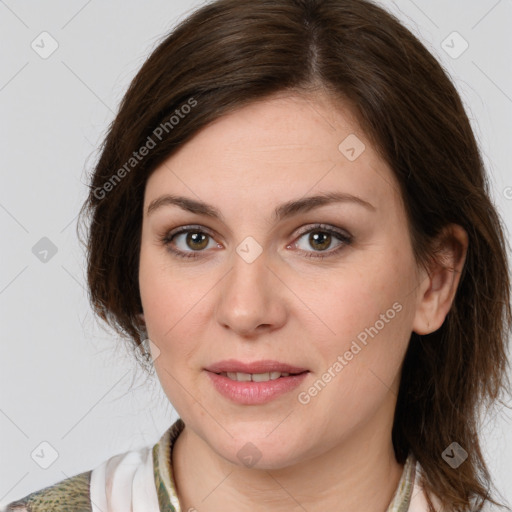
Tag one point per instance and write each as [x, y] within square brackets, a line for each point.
[291, 215]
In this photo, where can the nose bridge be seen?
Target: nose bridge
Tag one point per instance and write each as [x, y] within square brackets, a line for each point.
[248, 277]
[248, 295]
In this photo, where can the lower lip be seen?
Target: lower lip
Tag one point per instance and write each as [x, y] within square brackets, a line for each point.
[255, 393]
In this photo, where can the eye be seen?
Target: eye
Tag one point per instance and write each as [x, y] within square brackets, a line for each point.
[191, 241]
[320, 238]
[188, 240]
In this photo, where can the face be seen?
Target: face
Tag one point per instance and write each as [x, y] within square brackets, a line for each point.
[265, 280]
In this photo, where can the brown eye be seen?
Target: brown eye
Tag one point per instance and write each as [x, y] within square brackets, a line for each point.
[319, 240]
[196, 241]
[188, 242]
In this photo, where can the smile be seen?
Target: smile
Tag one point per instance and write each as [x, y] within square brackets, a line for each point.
[255, 388]
[254, 377]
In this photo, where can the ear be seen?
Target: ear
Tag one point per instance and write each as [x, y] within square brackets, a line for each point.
[439, 286]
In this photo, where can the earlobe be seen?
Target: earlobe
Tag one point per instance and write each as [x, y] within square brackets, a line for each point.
[438, 289]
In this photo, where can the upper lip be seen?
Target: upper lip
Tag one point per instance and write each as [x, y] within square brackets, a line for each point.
[263, 366]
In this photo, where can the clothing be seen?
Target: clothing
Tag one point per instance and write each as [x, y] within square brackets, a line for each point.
[142, 481]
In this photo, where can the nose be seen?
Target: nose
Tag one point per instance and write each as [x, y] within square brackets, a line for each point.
[251, 298]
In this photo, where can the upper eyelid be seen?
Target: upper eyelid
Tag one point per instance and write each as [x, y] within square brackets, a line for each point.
[187, 228]
[323, 227]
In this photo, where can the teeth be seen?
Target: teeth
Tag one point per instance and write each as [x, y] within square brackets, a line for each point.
[254, 377]
[262, 377]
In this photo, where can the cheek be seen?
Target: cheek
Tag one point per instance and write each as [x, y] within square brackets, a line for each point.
[367, 316]
[168, 302]
[173, 302]
[161, 288]
[360, 363]
[349, 302]
[163, 299]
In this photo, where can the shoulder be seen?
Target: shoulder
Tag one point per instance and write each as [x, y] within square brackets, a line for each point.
[139, 479]
[127, 475]
[71, 494]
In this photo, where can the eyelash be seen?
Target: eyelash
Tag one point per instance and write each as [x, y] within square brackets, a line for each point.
[167, 239]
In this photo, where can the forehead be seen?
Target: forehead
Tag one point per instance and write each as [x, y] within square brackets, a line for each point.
[284, 147]
[283, 127]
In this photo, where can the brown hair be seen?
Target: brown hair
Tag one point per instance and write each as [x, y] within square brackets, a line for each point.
[233, 52]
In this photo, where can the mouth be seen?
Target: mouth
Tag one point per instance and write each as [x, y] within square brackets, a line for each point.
[256, 377]
[257, 371]
[254, 383]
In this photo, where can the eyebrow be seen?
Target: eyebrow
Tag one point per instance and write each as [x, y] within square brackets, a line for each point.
[283, 211]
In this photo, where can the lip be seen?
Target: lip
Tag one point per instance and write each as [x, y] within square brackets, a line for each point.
[263, 366]
[254, 393]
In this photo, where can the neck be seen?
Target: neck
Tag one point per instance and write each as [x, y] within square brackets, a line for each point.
[360, 474]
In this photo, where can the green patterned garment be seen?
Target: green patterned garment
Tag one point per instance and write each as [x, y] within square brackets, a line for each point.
[70, 495]
[76, 494]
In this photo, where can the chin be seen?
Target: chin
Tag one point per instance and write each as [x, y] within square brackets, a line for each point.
[256, 452]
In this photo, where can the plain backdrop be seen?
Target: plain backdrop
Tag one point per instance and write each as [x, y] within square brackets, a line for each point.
[65, 381]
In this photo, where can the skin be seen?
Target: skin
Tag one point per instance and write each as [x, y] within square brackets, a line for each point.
[335, 452]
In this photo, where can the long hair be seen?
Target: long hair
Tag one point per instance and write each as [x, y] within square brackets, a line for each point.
[230, 53]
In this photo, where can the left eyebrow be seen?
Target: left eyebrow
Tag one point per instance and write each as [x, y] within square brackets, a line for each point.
[308, 203]
[283, 211]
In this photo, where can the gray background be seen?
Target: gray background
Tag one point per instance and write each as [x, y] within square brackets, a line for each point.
[64, 379]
